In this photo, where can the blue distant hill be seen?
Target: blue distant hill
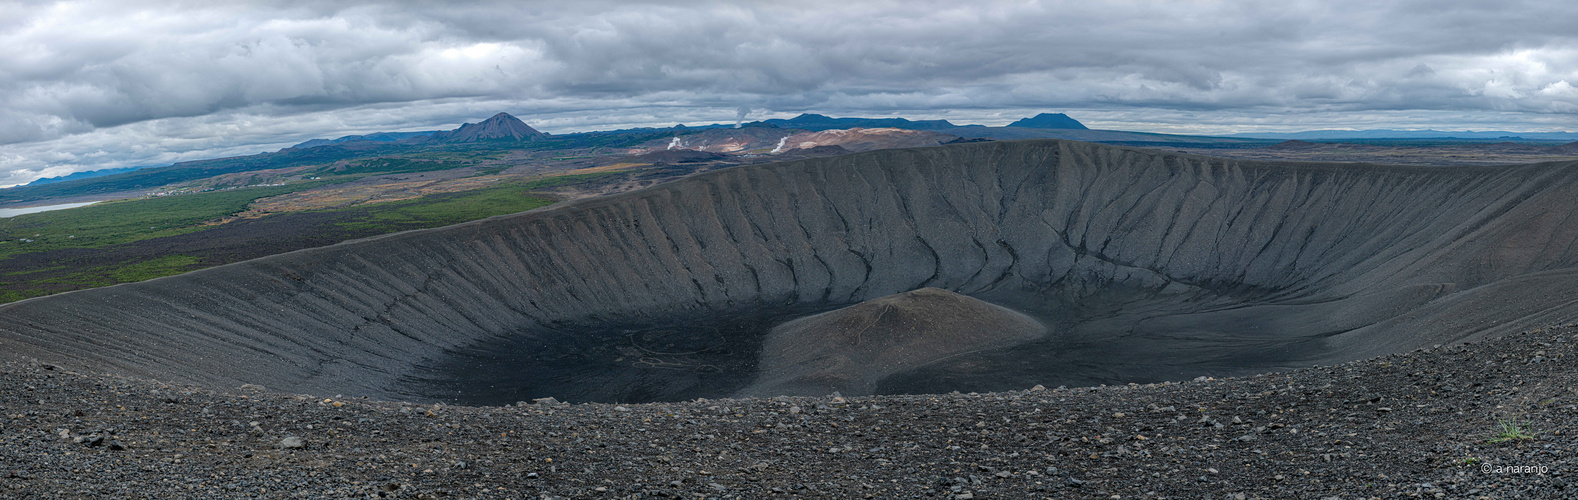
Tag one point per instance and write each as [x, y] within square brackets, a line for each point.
[81, 175]
[815, 122]
[375, 137]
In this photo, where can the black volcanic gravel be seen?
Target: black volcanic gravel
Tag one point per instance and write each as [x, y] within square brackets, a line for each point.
[1407, 425]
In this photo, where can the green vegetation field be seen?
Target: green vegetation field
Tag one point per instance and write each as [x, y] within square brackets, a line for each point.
[396, 165]
[443, 210]
[136, 240]
[126, 221]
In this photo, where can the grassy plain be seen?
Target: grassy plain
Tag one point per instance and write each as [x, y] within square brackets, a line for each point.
[126, 221]
[436, 211]
[136, 240]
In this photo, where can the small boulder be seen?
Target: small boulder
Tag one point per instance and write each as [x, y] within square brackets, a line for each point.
[292, 442]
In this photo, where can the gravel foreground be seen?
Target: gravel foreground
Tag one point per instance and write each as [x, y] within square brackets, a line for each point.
[1419, 424]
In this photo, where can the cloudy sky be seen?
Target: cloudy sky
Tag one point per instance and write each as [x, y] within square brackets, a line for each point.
[90, 85]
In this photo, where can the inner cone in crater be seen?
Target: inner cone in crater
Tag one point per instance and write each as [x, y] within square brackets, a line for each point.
[850, 350]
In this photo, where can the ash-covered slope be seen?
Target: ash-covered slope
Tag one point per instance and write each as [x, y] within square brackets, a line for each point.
[849, 350]
[1142, 264]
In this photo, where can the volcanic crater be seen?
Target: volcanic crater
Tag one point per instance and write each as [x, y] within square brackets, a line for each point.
[970, 267]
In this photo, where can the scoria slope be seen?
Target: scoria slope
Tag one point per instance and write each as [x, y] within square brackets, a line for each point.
[1142, 265]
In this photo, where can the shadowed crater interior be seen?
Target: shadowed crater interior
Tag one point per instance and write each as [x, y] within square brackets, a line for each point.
[971, 267]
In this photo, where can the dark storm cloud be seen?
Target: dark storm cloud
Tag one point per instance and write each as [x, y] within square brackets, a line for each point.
[98, 85]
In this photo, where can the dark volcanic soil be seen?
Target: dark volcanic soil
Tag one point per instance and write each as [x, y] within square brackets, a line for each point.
[1408, 425]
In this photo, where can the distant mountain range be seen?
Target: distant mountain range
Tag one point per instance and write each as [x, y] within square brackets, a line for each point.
[374, 137]
[815, 123]
[1411, 134]
[81, 175]
[504, 127]
[500, 127]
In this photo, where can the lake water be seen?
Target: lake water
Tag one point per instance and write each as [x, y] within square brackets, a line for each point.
[13, 212]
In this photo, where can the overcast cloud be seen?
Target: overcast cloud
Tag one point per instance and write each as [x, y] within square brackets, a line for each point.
[89, 85]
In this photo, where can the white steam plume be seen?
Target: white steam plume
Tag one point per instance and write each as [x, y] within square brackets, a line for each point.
[739, 115]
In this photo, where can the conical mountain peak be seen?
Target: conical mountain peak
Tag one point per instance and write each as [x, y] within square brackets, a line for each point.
[500, 127]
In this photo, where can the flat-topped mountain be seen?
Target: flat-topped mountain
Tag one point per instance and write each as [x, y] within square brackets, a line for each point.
[1049, 120]
[501, 127]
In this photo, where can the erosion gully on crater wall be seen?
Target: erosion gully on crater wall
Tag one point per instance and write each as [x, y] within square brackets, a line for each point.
[1141, 265]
